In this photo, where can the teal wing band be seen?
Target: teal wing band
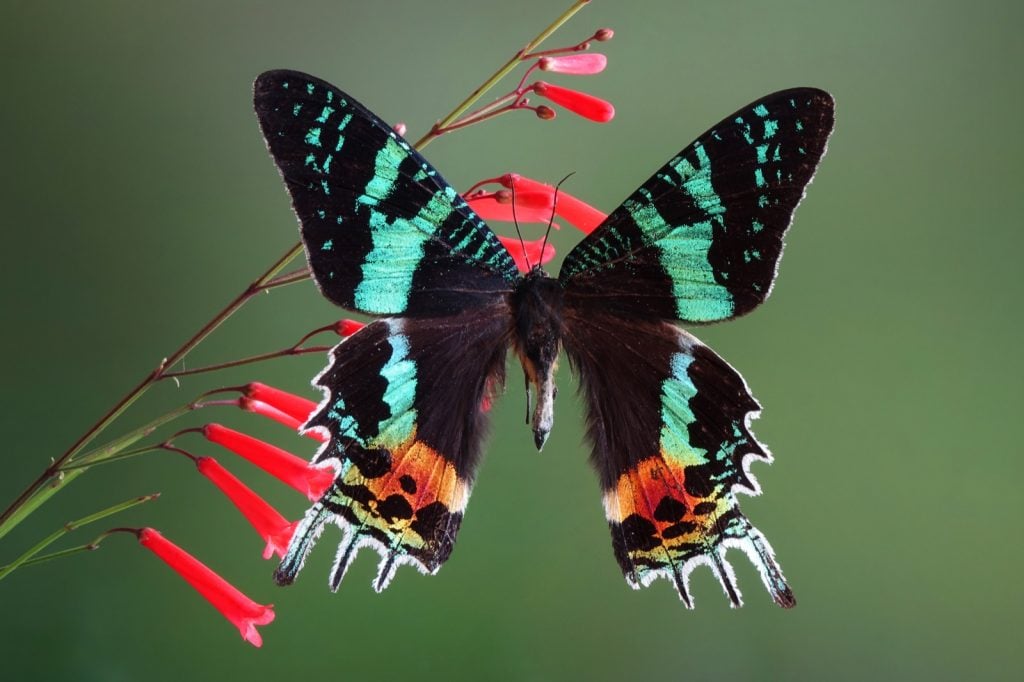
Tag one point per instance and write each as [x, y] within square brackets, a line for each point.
[700, 241]
[384, 233]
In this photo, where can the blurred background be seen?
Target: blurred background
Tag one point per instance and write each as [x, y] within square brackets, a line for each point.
[138, 198]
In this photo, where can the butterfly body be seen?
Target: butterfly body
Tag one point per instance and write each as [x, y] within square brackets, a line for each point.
[667, 418]
[536, 308]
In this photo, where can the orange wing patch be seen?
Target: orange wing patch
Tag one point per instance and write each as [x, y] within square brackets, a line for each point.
[651, 498]
[402, 504]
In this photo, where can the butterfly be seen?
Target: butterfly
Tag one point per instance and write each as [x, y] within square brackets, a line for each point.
[667, 418]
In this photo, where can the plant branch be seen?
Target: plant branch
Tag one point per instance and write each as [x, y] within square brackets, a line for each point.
[71, 526]
[8, 516]
[507, 68]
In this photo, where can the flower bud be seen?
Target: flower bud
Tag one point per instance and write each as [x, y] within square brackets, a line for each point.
[545, 113]
[579, 103]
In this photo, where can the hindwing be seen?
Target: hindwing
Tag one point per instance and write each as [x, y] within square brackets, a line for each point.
[669, 424]
[700, 241]
[403, 411]
[384, 233]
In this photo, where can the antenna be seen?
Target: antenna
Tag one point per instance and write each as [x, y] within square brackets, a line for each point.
[515, 221]
[554, 207]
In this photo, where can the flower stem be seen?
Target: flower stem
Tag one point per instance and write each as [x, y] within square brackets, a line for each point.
[284, 353]
[128, 454]
[21, 506]
[295, 349]
[498, 75]
[300, 275]
[71, 526]
[95, 544]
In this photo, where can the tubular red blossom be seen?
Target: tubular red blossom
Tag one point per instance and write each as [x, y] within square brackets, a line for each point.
[275, 530]
[347, 327]
[543, 198]
[527, 254]
[311, 481]
[580, 214]
[579, 103]
[492, 208]
[242, 612]
[289, 403]
[577, 64]
[269, 411]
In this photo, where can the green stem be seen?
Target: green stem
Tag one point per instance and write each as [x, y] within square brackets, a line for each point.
[300, 275]
[58, 555]
[76, 466]
[25, 502]
[115, 446]
[71, 526]
[39, 495]
[499, 74]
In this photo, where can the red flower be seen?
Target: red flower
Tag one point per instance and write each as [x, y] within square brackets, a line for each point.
[528, 254]
[580, 214]
[577, 64]
[347, 327]
[311, 481]
[263, 409]
[275, 530]
[298, 408]
[579, 103]
[243, 612]
[530, 207]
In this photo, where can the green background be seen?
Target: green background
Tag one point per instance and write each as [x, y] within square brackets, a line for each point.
[137, 198]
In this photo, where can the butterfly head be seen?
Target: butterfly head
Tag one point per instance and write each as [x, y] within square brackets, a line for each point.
[537, 311]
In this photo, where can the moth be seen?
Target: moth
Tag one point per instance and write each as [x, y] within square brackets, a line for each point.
[667, 418]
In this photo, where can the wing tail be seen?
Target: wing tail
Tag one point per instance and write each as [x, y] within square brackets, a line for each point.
[301, 544]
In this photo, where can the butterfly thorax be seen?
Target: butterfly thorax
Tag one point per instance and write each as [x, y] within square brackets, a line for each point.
[537, 337]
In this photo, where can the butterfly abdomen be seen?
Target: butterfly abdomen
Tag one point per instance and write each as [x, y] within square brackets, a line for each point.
[537, 319]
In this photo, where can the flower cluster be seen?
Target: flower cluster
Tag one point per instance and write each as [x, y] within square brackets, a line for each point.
[572, 60]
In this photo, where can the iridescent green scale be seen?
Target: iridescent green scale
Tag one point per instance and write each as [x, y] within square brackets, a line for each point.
[406, 397]
[371, 207]
[704, 233]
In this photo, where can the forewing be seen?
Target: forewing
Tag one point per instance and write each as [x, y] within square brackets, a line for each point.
[669, 424]
[403, 408]
[700, 241]
[384, 233]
